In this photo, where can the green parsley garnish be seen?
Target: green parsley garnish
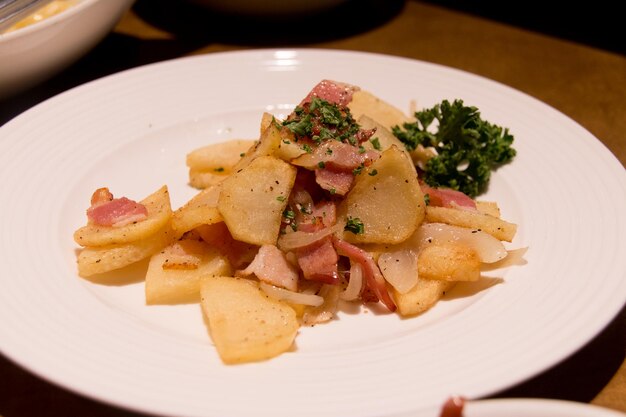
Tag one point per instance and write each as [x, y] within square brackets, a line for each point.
[280, 198]
[321, 164]
[468, 147]
[354, 225]
[218, 169]
[373, 172]
[320, 120]
[357, 170]
[376, 143]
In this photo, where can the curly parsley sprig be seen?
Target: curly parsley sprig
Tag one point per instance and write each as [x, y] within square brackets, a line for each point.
[468, 147]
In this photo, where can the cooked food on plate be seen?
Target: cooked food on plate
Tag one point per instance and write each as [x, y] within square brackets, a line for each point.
[347, 199]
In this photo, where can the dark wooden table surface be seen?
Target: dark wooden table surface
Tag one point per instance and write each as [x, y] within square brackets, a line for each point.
[574, 60]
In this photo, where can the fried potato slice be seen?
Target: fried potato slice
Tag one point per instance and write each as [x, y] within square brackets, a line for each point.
[246, 324]
[386, 198]
[219, 157]
[200, 210]
[365, 103]
[253, 199]
[498, 228]
[448, 262]
[425, 294]
[385, 138]
[267, 145]
[159, 213]
[488, 207]
[211, 164]
[98, 260]
[181, 284]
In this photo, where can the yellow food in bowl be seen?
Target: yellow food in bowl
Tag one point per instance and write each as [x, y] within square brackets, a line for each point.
[53, 8]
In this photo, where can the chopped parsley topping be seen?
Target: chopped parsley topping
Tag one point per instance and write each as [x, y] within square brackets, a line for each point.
[375, 143]
[289, 214]
[373, 172]
[280, 198]
[354, 225]
[320, 120]
[218, 169]
[357, 170]
[468, 147]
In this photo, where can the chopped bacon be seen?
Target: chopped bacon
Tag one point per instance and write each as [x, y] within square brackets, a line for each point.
[100, 196]
[180, 256]
[218, 235]
[446, 197]
[323, 214]
[453, 407]
[373, 277]
[333, 92]
[318, 261]
[271, 266]
[338, 155]
[334, 163]
[337, 182]
[108, 211]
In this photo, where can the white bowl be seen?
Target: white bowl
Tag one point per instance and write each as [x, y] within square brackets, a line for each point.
[35, 53]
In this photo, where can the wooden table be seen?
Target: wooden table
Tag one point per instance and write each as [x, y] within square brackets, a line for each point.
[587, 83]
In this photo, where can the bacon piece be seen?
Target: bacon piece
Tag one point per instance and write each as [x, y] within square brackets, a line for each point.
[447, 197]
[100, 196]
[218, 235]
[271, 266]
[333, 92]
[337, 155]
[453, 407]
[337, 182]
[323, 214]
[108, 211]
[180, 257]
[373, 277]
[334, 163]
[318, 261]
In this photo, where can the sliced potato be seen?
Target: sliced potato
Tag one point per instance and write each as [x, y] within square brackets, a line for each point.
[211, 164]
[385, 138]
[386, 198]
[200, 210]
[488, 207]
[159, 213]
[421, 297]
[252, 200]
[365, 103]
[496, 227]
[267, 145]
[219, 157]
[205, 179]
[448, 262]
[182, 284]
[97, 260]
[245, 323]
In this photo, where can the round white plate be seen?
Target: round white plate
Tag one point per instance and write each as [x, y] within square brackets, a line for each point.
[131, 132]
[531, 407]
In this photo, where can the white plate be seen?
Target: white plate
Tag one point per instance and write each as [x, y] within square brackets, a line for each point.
[530, 407]
[131, 132]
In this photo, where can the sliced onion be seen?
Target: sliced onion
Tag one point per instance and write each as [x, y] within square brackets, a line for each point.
[355, 285]
[291, 296]
[488, 248]
[299, 239]
[326, 311]
[399, 269]
[514, 257]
